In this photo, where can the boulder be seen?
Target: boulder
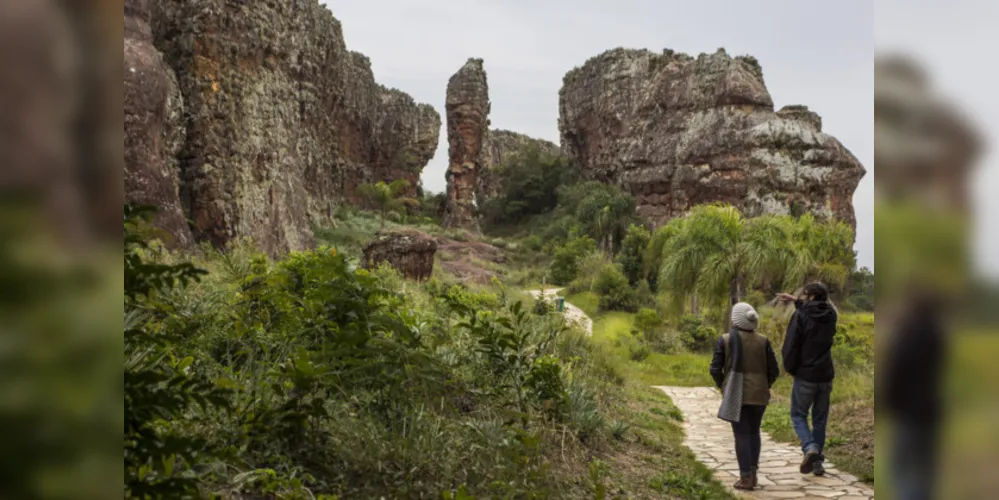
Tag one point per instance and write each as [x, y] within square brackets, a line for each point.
[408, 251]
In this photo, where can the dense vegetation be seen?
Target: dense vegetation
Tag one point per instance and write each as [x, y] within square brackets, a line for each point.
[307, 377]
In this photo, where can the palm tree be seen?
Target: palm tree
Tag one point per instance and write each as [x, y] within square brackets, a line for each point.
[824, 252]
[716, 253]
[387, 197]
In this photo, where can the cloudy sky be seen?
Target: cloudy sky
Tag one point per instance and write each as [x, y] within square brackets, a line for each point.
[817, 54]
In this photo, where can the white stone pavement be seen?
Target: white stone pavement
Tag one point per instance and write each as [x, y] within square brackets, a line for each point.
[572, 313]
[710, 438]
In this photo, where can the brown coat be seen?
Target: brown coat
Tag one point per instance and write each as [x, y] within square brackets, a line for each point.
[759, 366]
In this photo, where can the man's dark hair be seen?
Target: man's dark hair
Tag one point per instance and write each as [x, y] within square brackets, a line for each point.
[817, 291]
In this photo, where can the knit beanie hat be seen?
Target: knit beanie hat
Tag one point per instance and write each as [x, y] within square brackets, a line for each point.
[744, 317]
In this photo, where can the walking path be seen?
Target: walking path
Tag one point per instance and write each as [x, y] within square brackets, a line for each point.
[711, 441]
[572, 313]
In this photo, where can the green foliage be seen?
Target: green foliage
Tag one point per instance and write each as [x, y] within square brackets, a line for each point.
[159, 462]
[638, 351]
[695, 335]
[530, 182]
[631, 257]
[860, 290]
[614, 291]
[602, 211]
[565, 265]
[388, 198]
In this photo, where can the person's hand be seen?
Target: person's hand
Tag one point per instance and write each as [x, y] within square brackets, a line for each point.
[786, 297]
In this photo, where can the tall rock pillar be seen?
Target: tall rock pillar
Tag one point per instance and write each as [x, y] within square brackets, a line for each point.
[467, 108]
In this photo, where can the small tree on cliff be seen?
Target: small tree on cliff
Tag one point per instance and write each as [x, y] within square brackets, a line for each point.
[387, 198]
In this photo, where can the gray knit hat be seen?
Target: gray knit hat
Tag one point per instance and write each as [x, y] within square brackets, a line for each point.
[744, 317]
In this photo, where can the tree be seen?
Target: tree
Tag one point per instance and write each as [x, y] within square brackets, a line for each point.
[632, 254]
[824, 252]
[387, 198]
[717, 252]
[603, 211]
[652, 260]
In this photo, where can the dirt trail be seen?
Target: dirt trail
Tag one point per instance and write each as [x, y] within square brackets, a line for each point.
[711, 441]
[572, 313]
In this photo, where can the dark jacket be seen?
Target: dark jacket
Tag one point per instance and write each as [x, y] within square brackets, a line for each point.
[759, 366]
[914, 368]
[808, 344]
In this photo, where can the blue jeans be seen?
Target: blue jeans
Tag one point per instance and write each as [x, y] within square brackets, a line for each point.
[810, 397]
[914, 461]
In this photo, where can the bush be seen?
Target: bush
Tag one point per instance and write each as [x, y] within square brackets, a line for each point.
[565, 265]
[632, 254]
[614, 291]
[696, 336]
[638, 351]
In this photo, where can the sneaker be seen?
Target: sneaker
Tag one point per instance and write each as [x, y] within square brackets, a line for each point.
[818, 469]
[808, 463]
[744, 483]
[755, 480]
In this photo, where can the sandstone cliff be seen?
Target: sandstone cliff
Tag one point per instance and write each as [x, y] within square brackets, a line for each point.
[467, 111]
[679, 131]
[282, 122]
[502, 146]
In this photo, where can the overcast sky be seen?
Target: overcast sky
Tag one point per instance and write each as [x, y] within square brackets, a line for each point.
[817, 54]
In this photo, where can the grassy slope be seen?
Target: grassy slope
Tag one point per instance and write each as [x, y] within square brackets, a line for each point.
[851, 428]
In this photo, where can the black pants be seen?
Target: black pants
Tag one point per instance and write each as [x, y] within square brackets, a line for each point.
[747, 438]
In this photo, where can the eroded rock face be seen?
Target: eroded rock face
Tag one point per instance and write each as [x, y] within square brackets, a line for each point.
[408, 251]
[467, 130]
[154, 129]
[679, 131]
[282, 121]
[502, 146]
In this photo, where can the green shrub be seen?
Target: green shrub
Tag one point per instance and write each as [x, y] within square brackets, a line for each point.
[565, 266]
[632, 254]
[614, 291]
[638, 351]
[696, 336]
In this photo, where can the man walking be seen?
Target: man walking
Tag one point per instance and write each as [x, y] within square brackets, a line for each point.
[808, 358]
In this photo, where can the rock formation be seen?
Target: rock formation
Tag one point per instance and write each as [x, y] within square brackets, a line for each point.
[467, 110]
[282, 121]
[154, 129]
[408, 251]
[502, 146]
[679, 131]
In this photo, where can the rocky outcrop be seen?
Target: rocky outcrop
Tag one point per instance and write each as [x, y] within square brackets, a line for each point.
[501, 147]
[154, 130]
[679, 131]
[467, 110]
[282, 121]
[408, 251]
[926, 149]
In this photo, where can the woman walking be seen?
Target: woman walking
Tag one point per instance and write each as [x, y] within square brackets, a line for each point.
[744, 367]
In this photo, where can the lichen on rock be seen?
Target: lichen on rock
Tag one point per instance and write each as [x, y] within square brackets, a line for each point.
[679, 131]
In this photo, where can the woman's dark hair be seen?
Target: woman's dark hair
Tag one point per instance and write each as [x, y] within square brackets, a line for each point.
[817, 291]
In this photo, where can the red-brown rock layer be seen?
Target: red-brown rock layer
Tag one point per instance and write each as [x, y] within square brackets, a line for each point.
[467, 111]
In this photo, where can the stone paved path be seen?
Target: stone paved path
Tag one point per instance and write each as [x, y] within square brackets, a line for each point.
[572, 313]
[711, 441]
